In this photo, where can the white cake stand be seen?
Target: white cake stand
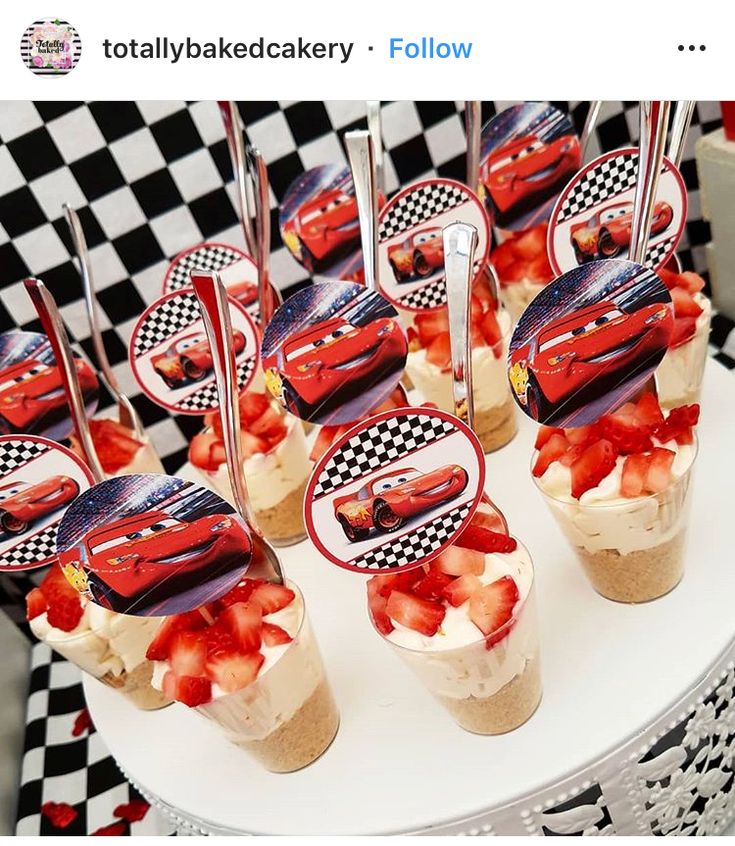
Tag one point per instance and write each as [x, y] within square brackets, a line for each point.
[635, 732]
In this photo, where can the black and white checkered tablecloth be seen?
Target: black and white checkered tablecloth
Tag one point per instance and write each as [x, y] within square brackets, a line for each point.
[150, 179]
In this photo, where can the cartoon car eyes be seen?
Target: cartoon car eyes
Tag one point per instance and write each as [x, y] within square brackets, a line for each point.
[153, 529]
[499, 164]
[12, 490]
[324, 341]
[617, 211]
[393, 481]
[423, 237]
[327, 207]
[188, 343]
[579, 331]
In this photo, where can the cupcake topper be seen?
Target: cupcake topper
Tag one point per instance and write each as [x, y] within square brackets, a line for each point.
[679, 129]
[654, 123]
[589, 126]
[214, 305]
[472, 123]
[234, 132]
[56, 334]
[361, 153]
[259, 176]
[126, 413]
[376, 135]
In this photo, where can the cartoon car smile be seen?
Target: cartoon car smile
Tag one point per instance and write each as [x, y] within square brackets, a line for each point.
[607, 232]
[386, 502]
[587, 352]
[139, 561]
[32, 395]
[419, 255]
[325, 227]
[310, 371]
[189, 359]
[23, 503]
[525, 171]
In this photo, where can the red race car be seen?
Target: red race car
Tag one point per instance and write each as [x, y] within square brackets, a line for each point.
[525, 171]
[140, 561]
[607, 232]
[22, 503]
[309, 373]
[189, 359]
[325, 227]
[386, 502]
[596, 346]
[420, 255]
[32, 395]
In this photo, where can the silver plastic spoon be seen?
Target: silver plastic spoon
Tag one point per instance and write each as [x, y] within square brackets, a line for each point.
[53, 326]
[258, 174]
[679, 129]
[376, 133]
[126, 413]
[473, 125]
[235, 143]
[361, 155]
[590, 122]
[653, 125]
[215, 309]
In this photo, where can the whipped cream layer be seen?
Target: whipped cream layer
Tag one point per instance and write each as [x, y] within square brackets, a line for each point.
[604, 519]
[104, 642]
[517, 295]
[455, 662]
[489, 378]
[679, 376]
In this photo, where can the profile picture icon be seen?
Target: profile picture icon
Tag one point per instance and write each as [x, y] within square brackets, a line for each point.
[50, 47]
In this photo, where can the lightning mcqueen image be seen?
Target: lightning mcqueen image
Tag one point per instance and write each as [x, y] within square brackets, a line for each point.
[32, 395]
[143, 560]
[607, 232]
[325, 228]
[189, 359]
[386, 502]
[419, 255]
[527, 171]
[310, 371]
[23, 503]
[586, 353]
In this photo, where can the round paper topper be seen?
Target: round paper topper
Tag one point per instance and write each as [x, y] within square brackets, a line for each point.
[38, 481]
[589, 341]
[411, 248]
[593, 216]
[32, 396]
[528, 153]
[236, 269]
[152, 545]
[319, 223]
[171, 358]
[333, 352]
[395, 490]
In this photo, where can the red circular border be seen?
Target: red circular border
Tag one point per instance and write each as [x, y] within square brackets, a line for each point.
[187, 252]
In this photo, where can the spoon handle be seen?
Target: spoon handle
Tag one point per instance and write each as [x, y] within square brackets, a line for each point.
[234, 132]
[472, 121]
[258, 173]
[361, 154]
[54, 328]
[593, 113]
[376, 133]
[679, 129]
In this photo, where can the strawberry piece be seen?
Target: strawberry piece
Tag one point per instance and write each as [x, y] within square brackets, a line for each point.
[432, 585]
[218, 638]
[581, 435]
[253, 444]
[431, 324]
[415, 613]
[626, 435]
[592, 466]
[530, 243]
[272, 598]
[487, 518]
[59, 814]
[35, 604]
[252, 406]
[234, 671]
[133, 811]
[377, 603]
[159, 646]
[539, 270]
[65, 612]
[82, 723]
[114, 444]
[243, 620]
[572, 454]
[187, 653]
[439, 352]
[191, 690]
[648, 411]
[476, 309]
[459, 590]
[274, 635]
[326, 436]
[635, 470]
[116, 829]
[552, 450]
[544, 433]
[400, 581]
[483, 293]
[484, 540]
[693, 282]
[268, 424]
[503, 258]
[277, 435]
[684, 303]
[55, 584]
[679, 424]
[460, 560]
[491, 608]
[684, 329]
[477, 339]
[207, 451]
[659, 470]
[240, 593]
[491, 332]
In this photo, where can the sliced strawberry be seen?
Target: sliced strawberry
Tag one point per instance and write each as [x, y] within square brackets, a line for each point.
[582, 435]
[669, 277]
[477, 339]
[684, 330]
[693, 282]
[188, 653]
[483, 293]
[274, 635]
[592, 466]
[432, 585]
[65, 612]
[459, 590]
[487, 518]
[399, 581]
[684, 303]
[460, 560]
[539, 270]
[552, 450]
[503, 258]
[544, 433]
[415, 613]
[491, 332]
[659, 470]
[648, 411]
[234, 671]
[159, 647]
[55, 584]
[635, 470]
[252, 406]
[326, 436]
[431, 324]
[476, 309]
[276, 435]
[219, 638]
[207, 451]
[240, 593]
[439, 352]
[192, 691]
[268, 424]
[114, 444]
[272, 598]
[253, 444]
[133, 811]
[243, 620]
[530, 243]
[572, 454]
[59, 814]
[35, 604]
[679, 424]
[377, 604]
[626, 435]
[491, 608]
[484, 540]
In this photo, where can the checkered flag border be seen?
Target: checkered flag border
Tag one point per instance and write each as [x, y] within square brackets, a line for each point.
[212, 257]
[433, 295]
[658, 252]
[14, 454]
[422, 203]
[207, 398]
[375, 446]
[416, 545]
[167, 319]
[35, 551]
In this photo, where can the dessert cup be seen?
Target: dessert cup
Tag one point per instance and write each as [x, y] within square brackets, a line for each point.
[522, 264]
[679, 376]
[120, 452]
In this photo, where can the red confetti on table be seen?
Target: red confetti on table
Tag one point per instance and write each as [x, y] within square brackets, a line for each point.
[82, 723]
[59, 814]
[134, 811]
[117, 829]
